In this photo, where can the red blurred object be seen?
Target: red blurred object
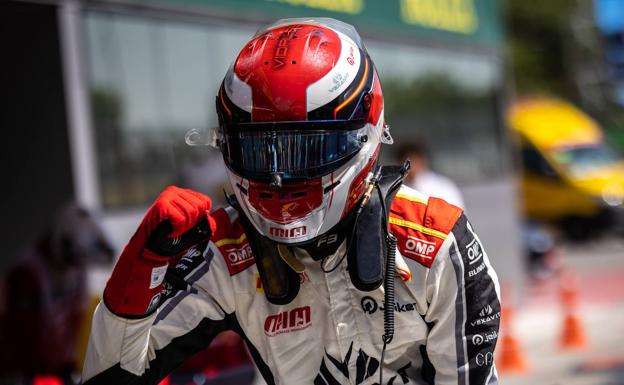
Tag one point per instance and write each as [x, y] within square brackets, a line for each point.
[227, 351]
[47, 380]
[511, 357]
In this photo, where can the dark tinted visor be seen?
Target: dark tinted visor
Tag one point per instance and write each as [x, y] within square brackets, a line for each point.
[295, 150]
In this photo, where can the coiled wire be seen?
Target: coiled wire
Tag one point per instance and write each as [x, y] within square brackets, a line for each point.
[389, 295]
[389, 290]
[391, 244]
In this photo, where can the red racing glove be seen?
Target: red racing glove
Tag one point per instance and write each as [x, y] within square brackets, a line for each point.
[178, 220]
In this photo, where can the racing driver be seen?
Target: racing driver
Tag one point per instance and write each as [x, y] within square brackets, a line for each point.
[329, 269]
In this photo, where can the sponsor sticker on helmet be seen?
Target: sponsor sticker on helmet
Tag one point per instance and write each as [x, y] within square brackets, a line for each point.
[293, 233]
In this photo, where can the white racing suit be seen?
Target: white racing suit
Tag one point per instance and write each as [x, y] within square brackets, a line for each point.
[447, 311]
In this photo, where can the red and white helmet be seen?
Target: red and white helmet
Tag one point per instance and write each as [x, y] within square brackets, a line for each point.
[300, 125]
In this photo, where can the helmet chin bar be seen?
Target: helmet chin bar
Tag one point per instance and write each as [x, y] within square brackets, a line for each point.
[366, 259]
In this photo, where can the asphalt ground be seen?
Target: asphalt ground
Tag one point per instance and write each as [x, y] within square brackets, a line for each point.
[599, 270]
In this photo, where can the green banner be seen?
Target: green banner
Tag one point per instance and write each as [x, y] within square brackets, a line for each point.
[467, 21]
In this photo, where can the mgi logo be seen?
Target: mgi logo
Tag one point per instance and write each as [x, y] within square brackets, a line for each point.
[295, 232]
[419, 247]
[288, 321]
[240, 255]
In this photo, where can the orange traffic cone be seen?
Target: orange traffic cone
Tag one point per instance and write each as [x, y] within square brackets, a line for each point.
[511, 358]
[573, 336]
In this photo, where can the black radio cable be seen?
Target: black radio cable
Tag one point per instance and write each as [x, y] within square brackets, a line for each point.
[389, 295]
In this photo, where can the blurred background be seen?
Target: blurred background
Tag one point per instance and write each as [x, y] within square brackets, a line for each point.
[513, 109]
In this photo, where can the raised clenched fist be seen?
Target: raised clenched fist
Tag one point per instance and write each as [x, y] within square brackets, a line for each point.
[178, 219]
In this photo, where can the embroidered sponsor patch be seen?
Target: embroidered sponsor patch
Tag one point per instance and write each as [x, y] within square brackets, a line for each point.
[287, 321]
[238, 257]
[419, 247]
[415, 245]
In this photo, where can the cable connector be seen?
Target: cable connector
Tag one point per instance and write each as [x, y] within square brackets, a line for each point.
[374, 180]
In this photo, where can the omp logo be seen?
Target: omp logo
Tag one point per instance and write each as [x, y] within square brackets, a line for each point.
[238, 256]
[288, 321]
[474, 252]
[487, 310]
[295, 232]
[419, 247]
[282, 46]
[192, 253]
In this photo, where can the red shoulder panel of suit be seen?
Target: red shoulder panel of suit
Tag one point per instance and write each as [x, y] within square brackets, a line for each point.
[421, 227]
[232, 242]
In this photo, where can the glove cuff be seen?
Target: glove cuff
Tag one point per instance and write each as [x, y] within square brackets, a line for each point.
[134, 289]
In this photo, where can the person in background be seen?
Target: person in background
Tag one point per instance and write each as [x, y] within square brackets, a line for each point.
[425, 180]
[44, 298]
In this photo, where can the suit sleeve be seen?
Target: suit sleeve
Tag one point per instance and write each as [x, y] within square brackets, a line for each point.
[464, 311]
[195, 306]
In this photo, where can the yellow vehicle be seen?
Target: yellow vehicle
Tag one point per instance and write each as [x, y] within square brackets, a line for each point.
[569, 174]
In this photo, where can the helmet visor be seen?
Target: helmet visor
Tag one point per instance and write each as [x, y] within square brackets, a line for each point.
[294, 150]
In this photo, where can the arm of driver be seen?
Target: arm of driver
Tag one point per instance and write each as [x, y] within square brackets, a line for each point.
[144, 350]
[464, 311]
